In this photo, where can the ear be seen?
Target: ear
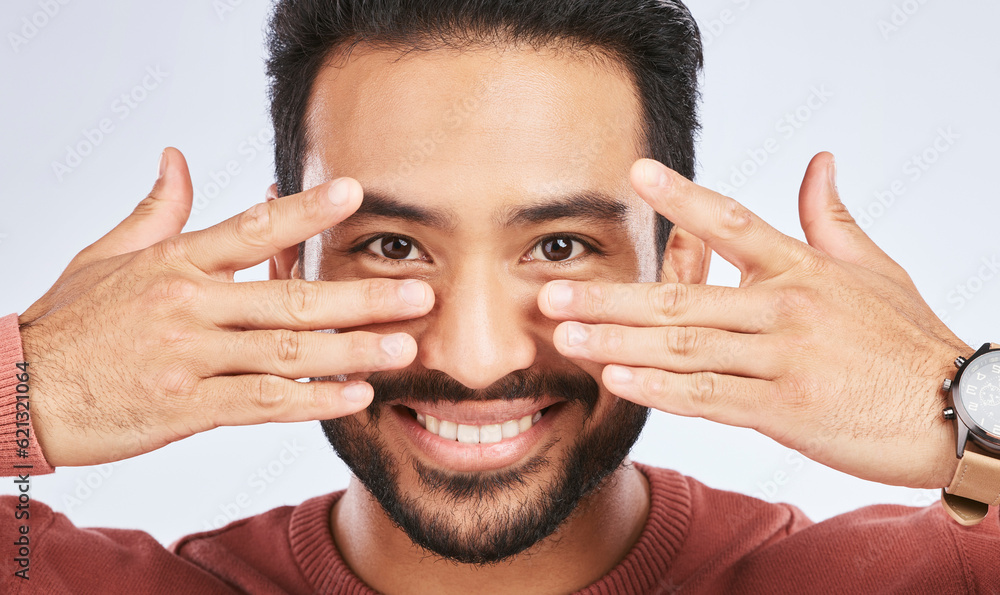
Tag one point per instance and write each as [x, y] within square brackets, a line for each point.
[285, 264]
[686, 259]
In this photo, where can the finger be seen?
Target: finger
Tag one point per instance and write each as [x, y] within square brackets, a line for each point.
[261, 398]
[301, 354]
[721, 398]
[301, 305]
[160, 215]
[265, 229]
[658, 304]
[683, 349]
[729, 228]
[830, 227]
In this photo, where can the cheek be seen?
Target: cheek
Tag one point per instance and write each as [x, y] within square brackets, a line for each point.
[606, 400]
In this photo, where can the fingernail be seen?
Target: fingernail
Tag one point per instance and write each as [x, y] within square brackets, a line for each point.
[833, 173]
[413, 292]
[163, 165]
[560, 295]
[339, 193]
[620, 375]
[653, 175]
[356, 392]
[576, 334]
[393, 345]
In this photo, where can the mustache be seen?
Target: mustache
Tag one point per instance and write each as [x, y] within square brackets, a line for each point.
[432, 386]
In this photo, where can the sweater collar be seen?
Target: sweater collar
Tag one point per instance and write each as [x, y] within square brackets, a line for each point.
[644, 569]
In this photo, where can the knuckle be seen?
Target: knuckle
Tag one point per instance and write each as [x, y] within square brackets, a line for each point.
[255, 225]
[174, 290]
[288, 347]
[376, 294]
[301, 297]
[146, 205]
[653, 385]
[669, 299]
[169, 251]
[595, 300]
[359, 348]
[176, 340]
[269, 394]
[735, 219]
[816, 265]
[682, 340]
[703, 390]
[310, 394]
[684, 193]
[838, 213]
[902, 277]
[795, 302]
[611, 340]
[176, 384]
[82, 258]
[796, 392]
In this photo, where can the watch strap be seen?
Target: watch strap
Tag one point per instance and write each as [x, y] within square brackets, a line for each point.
[974, 488]
[965, 511]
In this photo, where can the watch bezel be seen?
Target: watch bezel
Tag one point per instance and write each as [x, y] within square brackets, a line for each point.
[979, 435]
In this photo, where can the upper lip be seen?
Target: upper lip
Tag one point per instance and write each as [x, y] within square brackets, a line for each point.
[480, 413]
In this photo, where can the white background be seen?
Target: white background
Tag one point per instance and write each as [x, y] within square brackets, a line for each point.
[889, 89]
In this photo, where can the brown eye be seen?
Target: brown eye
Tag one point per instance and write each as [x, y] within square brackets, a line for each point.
[556, 249]
[394, 248]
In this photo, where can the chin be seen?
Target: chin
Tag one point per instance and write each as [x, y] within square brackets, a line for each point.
[478, 502]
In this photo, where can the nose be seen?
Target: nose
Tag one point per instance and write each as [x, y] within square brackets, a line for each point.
[478, 331]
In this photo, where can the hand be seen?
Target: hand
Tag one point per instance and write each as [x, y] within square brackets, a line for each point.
[145, 339]
[826, 347]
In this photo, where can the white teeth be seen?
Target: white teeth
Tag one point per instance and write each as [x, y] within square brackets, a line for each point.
[470, 434]
[490, 434]
[524, 424]
[448, 430]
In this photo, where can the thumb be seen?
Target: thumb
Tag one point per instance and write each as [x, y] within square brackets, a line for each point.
[829, 226]
[160, 215]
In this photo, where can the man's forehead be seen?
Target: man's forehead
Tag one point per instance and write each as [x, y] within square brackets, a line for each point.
[517, 121]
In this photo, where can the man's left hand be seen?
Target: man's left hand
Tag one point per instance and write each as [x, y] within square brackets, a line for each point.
[826, 346]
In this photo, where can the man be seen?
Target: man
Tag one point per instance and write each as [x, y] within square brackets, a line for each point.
[464, 194]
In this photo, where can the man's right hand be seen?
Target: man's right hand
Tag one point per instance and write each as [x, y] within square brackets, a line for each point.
[145, 339]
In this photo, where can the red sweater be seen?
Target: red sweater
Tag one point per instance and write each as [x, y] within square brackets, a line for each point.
[696, 540]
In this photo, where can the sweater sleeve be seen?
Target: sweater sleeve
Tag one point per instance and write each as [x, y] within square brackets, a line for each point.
[42, 551]
[18, 445]
[739, 544]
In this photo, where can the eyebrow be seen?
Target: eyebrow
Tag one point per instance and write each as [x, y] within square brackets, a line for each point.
[588, 206]
[377, 204]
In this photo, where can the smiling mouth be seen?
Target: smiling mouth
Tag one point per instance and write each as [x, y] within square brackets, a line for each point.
[476, 434]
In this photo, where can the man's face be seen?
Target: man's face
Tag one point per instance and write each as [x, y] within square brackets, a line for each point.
[486, 173]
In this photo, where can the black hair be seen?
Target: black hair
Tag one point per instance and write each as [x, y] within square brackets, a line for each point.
[656, 40]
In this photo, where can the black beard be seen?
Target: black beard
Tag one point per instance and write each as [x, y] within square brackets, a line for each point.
[494, 531]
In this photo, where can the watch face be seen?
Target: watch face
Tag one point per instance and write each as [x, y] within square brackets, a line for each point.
[979, 391]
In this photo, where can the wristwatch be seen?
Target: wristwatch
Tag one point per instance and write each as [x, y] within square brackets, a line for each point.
[974, 404]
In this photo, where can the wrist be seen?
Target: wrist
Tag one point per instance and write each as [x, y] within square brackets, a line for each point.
[973, 410]
[20, 444]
